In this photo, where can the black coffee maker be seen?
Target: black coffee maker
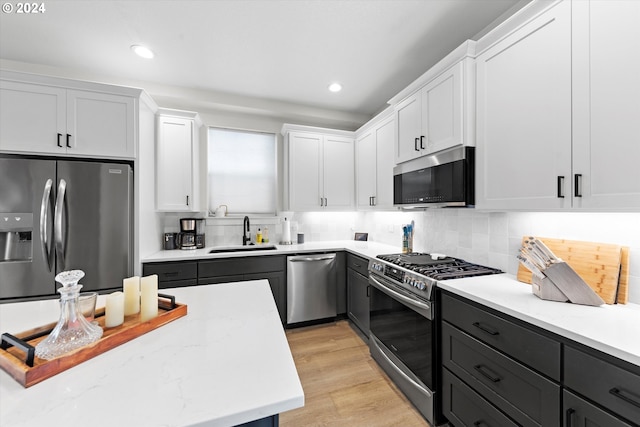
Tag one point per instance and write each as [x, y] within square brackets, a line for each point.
[191, 235]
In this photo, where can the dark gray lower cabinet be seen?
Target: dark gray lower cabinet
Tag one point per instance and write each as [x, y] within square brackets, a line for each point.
[272, 268]
[612, 386]
[464, 407]
[358, 292]
[273, 421]
[497, 371]
[173, 274]
[500, 371]
[526, 396]
[580, 413]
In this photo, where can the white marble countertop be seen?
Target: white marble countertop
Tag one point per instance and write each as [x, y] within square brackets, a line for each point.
[365, 249]
[225, 363]
[612, 329]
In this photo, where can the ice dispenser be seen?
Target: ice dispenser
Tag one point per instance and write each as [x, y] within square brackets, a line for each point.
[16, 232]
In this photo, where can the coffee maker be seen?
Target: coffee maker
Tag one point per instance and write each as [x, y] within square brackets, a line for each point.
[191, 235]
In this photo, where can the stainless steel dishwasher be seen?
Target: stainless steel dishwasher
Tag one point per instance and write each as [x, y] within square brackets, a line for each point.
[311, 287]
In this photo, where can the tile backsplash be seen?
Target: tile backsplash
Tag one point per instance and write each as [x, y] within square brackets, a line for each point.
[490, 238]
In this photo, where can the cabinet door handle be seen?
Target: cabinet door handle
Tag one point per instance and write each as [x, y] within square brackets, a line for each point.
[59, 143]
[485, 329]
[187, 200]
[577, 185]
[68, 138]
[618, 393]
[560, 185]
[421, 141]
[415, 145]
[368, 291]
[321, 201]
[326, 202]
[569, 417]
[483, 370]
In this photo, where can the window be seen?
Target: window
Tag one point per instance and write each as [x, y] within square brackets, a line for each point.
[242, 171]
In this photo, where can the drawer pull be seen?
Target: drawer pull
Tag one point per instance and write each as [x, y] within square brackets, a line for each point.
[618, 393]
[485, 329]
[569, 417]
[480, 423]
[483, 370]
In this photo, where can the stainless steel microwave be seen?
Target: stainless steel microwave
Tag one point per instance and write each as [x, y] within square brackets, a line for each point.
[443, 179]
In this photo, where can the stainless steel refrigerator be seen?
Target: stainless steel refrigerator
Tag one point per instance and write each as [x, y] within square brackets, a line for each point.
[58, 215]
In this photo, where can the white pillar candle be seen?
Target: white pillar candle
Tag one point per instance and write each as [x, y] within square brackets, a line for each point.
[148, 297]
[131, 287]
[114, 310]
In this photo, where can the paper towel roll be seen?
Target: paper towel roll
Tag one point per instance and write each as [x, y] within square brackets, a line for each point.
[286, 232]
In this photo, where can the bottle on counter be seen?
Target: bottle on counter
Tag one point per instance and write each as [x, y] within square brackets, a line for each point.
[259, 237]
[265, 235]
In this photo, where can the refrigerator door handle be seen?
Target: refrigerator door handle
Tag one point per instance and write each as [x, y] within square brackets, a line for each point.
[44, 222]
[57, 225]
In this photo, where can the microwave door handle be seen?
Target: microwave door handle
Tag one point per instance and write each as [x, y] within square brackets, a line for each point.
[44, 222]
[57, 223]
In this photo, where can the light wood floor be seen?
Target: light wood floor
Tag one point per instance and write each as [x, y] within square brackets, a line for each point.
[343, 385]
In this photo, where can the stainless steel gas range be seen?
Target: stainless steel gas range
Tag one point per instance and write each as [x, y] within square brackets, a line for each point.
[403, 332]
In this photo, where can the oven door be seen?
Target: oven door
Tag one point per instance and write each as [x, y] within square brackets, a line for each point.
[401, 341]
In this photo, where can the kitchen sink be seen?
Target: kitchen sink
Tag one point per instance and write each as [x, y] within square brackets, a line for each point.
[248, 248]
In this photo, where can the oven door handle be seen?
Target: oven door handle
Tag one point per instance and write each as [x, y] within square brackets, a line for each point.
[404, 375]
[410, 301]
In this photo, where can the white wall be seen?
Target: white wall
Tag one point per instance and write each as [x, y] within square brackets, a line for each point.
[481, 237]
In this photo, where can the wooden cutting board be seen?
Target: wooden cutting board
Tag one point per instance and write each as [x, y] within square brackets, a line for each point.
[623, 287]
[598, 264]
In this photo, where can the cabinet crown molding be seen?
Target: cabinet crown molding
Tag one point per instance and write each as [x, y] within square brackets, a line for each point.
[60, 82]
[287, 127]
[465, 50]
[170, 112]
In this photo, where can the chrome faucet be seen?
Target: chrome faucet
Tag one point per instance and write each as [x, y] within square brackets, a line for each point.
[246, 231]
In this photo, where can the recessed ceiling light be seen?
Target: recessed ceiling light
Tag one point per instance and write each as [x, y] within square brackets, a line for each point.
[335, 87]
[142, 51]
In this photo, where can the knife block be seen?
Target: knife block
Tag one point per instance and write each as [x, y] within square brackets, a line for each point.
[545, 289]
[568, 286]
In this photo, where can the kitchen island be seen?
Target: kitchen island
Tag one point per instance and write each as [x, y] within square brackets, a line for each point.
[227, 362]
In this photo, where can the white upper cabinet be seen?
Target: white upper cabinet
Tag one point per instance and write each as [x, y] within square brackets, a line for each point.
[409, 139]
[374, 165]
[442, 112]
[41, 119]
[436, 112]
[177, 171]
[606, 104]
[33, 118]
[320, 170]
[338, 173]
[523, 152]
[558, 101]
[100, 124]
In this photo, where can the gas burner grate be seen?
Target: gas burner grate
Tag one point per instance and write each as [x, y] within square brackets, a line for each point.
[440, 269]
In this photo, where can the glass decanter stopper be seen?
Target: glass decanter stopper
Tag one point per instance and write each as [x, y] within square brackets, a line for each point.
[73, 330]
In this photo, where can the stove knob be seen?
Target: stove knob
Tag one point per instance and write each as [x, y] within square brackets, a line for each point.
[421, 286]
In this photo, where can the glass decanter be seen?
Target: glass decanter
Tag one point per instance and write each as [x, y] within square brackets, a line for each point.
[73, 330]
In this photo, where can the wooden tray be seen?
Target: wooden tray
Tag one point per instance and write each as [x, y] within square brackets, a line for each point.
[14, 360]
